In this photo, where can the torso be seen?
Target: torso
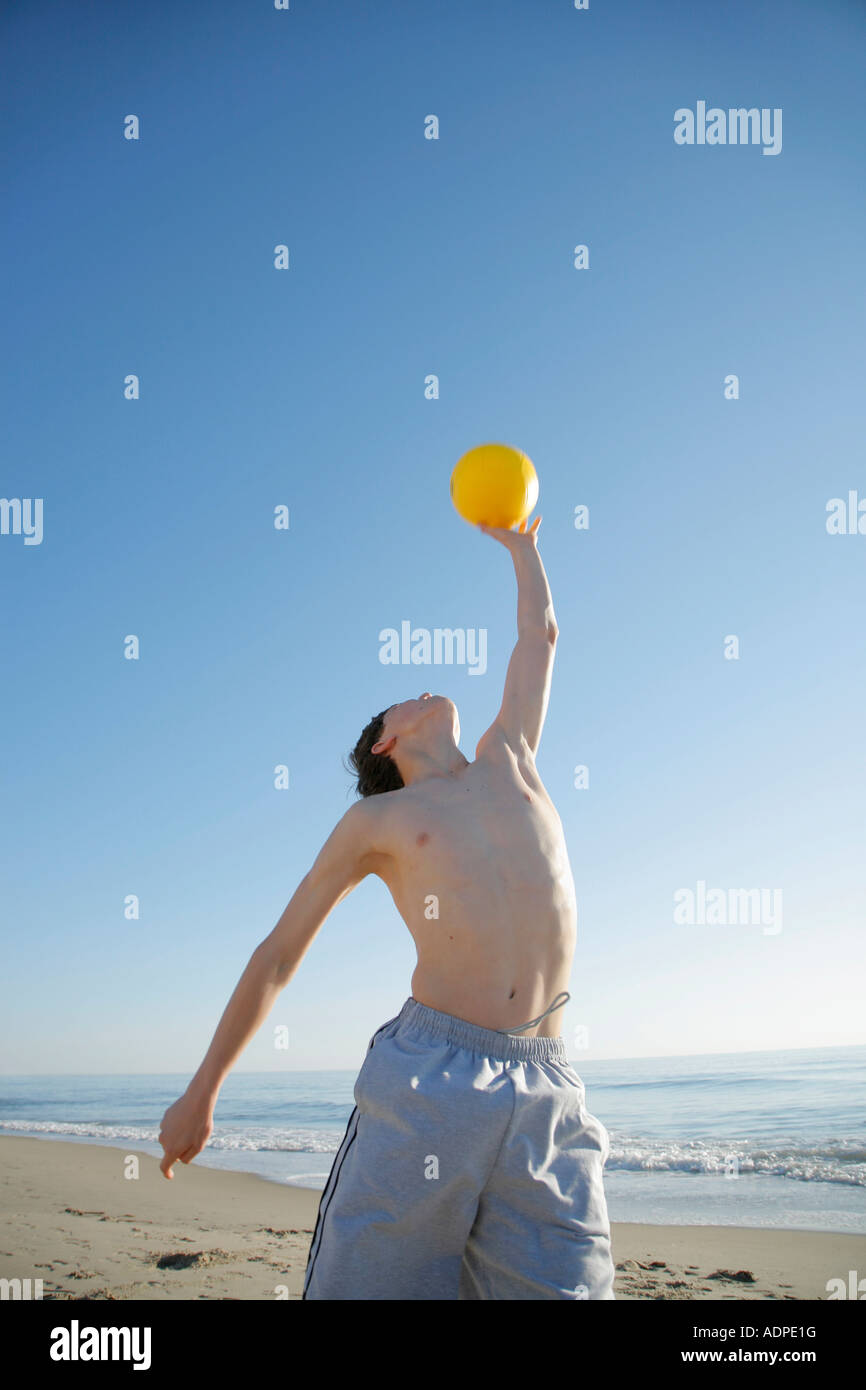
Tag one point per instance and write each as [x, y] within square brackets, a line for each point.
[477, 866]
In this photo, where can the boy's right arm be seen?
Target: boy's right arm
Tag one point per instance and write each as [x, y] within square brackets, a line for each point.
[344, 860]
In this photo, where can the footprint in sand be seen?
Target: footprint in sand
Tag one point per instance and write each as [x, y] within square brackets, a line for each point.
[193, 1259]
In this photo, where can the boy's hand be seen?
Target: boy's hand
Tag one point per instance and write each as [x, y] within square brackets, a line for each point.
[186, 1127]
[521, 539]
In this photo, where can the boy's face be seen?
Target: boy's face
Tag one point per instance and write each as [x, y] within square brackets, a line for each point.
[410, 715]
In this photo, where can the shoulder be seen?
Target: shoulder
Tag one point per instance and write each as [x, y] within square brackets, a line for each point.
[368, 823]
[359, 821]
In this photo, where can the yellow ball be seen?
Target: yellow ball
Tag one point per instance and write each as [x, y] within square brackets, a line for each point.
[494, 484]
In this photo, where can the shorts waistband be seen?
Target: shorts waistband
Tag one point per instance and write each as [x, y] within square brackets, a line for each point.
[503, 1047]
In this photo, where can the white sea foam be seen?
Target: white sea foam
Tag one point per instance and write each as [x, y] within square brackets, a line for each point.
[251, 1140]
[834, 1161]
[838, 1161]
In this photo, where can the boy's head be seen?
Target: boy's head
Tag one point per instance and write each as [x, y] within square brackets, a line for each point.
[375, 771]
[412, 723]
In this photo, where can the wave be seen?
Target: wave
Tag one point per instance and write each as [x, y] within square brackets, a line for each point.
[682, 1083]
[249, 1140]
[833, 1161]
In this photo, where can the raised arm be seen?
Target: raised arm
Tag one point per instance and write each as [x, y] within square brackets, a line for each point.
[345, 859]
[527, 681]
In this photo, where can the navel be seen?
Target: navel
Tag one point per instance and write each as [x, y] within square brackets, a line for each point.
[422, 838]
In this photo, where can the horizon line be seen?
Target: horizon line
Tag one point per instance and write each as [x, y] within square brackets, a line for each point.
[306, 1071]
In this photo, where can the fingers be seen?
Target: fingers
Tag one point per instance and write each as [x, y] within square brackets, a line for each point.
[171, 1158]
[508, 534]
[501, 532]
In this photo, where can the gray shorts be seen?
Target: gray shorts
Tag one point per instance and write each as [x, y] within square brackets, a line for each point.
[470, 1169]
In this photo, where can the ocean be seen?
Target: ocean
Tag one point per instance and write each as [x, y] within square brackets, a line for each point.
[772, 1139]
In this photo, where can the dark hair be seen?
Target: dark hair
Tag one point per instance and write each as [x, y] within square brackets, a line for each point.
[376, 772]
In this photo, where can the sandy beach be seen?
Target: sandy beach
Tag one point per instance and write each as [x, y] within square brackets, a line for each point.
[69, 1217]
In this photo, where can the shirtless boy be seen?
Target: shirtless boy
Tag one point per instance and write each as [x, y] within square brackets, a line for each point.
[470, 1168]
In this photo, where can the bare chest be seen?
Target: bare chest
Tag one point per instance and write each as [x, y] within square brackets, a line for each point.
[487, 822]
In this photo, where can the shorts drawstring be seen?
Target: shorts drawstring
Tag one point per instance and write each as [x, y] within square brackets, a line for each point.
[564, 997]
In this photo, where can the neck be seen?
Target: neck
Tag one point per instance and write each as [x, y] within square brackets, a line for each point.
[441, 759]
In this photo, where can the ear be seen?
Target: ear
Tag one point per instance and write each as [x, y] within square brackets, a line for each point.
[384, 745]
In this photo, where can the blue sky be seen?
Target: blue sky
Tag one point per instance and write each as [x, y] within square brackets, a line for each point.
[305, 387]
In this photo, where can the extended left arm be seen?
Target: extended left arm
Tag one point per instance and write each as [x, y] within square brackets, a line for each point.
[527, 681]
